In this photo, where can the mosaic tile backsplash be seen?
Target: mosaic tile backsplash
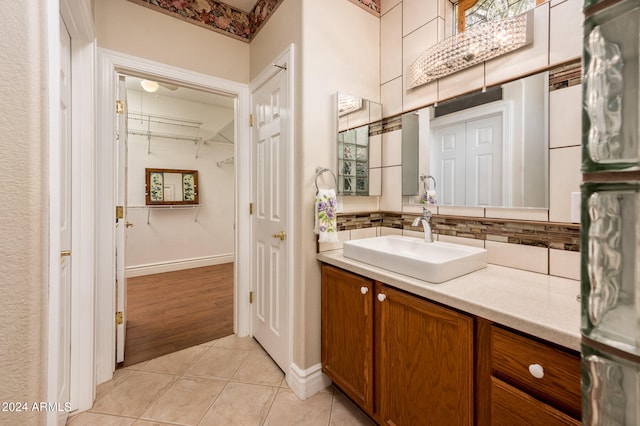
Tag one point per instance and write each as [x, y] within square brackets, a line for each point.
[565, 76]
[560, 236]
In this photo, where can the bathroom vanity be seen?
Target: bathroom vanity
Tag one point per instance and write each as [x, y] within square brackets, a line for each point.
[497, 346]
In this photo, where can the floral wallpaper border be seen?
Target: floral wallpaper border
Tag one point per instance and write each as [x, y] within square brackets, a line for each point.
[222, 18]
[372, 6]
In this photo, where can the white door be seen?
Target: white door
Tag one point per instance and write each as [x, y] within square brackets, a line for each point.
[269, 220]
[447, 164]
[64, 333]
[121, 222]
[484, 161]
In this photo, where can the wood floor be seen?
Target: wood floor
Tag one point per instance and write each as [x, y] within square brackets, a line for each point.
[176, 310]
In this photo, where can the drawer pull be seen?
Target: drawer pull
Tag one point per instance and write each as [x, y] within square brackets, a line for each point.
[381, 297]
[364, 290]
[536, 371]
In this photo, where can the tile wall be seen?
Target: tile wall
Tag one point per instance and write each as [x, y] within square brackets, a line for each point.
[409, 27]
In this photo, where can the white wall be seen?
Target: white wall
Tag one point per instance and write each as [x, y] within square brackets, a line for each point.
[173, 239]
[136, 30]
[24, 205]
[345, 58]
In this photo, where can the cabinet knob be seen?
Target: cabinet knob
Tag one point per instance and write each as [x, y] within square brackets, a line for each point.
[381, 297]
[364, 290]
[536, 371]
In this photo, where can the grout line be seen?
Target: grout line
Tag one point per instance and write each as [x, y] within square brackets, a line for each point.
[273, 401]
[169, 386]
[213, 402]
[276, 390]
[333, 401]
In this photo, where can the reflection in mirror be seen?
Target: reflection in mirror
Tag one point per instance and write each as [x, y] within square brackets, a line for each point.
[358, 121]
[171, 187]
[487, 149]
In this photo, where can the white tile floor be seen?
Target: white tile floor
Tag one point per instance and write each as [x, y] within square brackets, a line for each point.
[230, 381]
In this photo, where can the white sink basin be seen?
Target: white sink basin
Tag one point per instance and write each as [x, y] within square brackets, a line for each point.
[434, 262]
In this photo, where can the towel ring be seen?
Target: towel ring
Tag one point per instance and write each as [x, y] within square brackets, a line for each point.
[424, 178]
[321, 170]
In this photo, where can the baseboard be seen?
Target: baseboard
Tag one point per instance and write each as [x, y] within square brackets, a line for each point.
[178, 265]
[306, 383]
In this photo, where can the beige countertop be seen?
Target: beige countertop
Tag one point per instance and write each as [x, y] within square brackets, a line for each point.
[540, 305]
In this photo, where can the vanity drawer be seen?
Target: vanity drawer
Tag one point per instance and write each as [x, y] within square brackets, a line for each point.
[545, 372]
[511, 407]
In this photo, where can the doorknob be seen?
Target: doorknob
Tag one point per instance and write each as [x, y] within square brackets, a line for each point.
[280, 235]
[128, 224]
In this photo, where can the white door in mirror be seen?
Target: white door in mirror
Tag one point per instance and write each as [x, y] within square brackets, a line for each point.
[536, 371]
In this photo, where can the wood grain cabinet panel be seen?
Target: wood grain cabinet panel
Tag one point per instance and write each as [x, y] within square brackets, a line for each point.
[403, 360]
[512, 407]
[347, 333]
[426, 361]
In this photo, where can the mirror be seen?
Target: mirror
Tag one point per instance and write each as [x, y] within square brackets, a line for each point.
[359, 145]
[488, 148]
[171, 187]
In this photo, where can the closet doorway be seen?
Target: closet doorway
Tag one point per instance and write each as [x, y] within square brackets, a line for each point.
[179, 246]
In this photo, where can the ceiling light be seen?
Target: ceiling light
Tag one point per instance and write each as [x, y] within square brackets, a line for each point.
[149, 86]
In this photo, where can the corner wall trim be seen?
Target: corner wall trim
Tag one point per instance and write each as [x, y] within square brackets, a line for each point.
[178, 265]
[306, 383]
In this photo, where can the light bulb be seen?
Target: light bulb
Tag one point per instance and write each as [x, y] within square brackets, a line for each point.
[149, 86]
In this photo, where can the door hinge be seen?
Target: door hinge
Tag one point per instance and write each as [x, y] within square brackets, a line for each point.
[250, 208]
[119, 107]
[119, 212]
[251, 120]
[119, 319]
[250, 297]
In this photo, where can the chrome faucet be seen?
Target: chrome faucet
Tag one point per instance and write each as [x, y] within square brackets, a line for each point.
[425, 218]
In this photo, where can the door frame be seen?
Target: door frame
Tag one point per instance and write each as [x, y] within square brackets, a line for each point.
[286, 60]
[503, 108]
[110, 63]
[78, 17]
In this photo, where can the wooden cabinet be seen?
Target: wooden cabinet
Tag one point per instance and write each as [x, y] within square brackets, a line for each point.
[530, 382]
[407, 361]
[347, 333]
[426, 361]
[415, 355]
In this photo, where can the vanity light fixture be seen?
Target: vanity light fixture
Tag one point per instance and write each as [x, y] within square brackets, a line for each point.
[149, 85]
[348, 104]
[478, 43]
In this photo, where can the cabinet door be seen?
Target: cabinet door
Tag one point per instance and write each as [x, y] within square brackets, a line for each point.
[347, 333]
[426, 363]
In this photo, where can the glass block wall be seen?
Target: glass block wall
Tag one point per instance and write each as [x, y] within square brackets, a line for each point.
[610, 222]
